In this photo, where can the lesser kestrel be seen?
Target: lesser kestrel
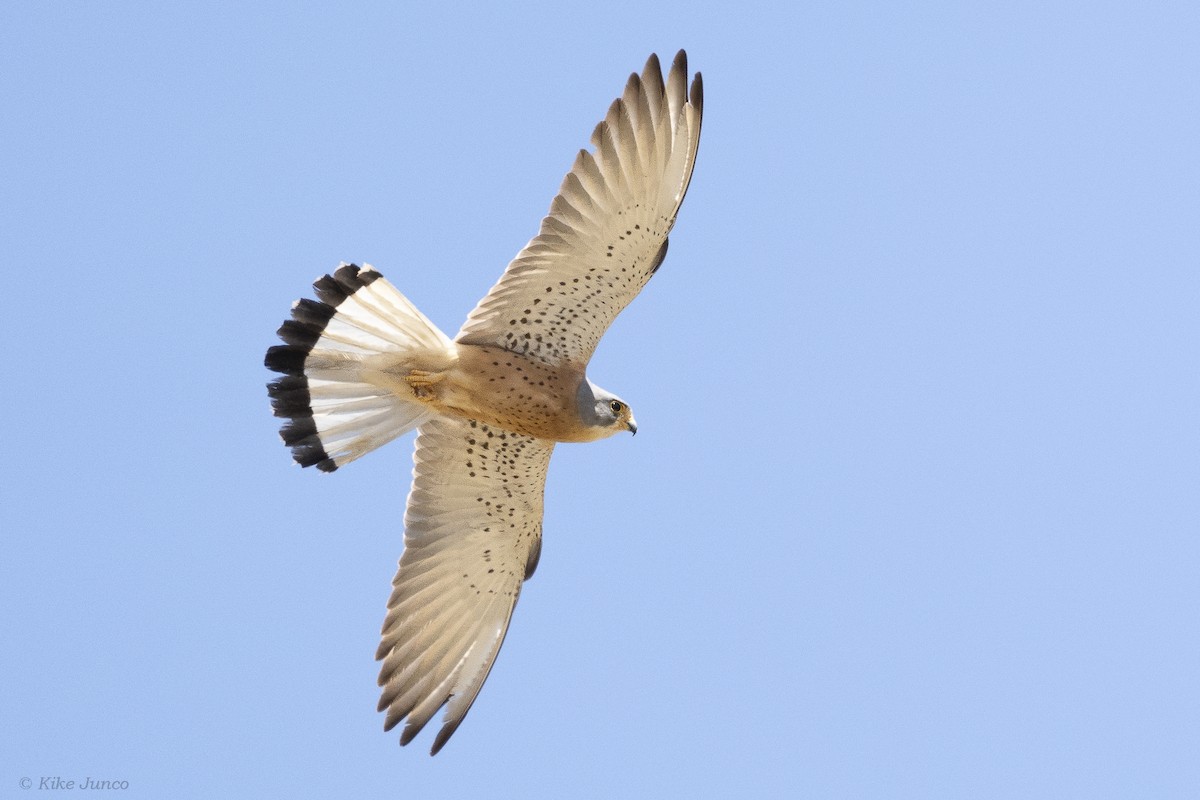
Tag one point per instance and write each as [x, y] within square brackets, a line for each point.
[361, 366]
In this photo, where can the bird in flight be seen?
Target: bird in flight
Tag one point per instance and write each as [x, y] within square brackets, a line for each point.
[361, 365]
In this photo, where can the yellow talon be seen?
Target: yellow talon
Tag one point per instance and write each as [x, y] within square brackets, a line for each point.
[422, 382]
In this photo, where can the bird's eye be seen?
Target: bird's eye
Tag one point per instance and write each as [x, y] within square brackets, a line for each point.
[616, 406]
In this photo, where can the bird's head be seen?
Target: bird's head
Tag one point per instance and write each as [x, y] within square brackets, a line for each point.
[604, 411]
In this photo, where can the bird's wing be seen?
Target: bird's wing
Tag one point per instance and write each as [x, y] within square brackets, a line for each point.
[473, 532]
[606, 232]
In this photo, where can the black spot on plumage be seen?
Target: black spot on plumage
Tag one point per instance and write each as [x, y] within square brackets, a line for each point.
[350, 278]
[300, 434]
[290, 397]
[345, 281]
[310, 312]
[286, 358]
[300, 334]
[329, 290]
[300, 431]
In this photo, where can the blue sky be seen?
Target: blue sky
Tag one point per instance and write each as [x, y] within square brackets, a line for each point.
[913, 507]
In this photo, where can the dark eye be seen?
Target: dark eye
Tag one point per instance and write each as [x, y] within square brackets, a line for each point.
[616, 406]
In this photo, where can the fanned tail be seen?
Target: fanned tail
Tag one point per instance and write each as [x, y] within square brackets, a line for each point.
[335, 412]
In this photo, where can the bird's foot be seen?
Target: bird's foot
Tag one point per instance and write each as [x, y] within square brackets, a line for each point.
[422, 382]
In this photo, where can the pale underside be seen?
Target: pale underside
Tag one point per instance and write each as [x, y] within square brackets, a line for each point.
[474, 517]
[472, 534]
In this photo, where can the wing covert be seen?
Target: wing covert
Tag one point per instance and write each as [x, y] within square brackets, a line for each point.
[606, 232]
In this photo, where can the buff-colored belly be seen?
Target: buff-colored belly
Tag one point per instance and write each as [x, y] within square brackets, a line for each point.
[499, 387]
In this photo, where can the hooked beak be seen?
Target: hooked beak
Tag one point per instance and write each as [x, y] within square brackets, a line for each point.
[632, 425]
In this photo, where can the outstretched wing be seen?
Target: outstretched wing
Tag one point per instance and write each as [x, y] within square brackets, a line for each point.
[473, 531]
[606, 233]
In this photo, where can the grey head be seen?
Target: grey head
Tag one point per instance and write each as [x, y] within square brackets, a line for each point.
[603, 410]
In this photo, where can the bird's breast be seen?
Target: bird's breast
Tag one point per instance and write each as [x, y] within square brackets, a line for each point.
[515, 392]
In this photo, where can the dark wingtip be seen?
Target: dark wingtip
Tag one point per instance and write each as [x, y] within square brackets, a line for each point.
[652, 66]
[634, 82]
[660, 257]
[409, 733]
[680, 62]
[444, 736]
[531, 560]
